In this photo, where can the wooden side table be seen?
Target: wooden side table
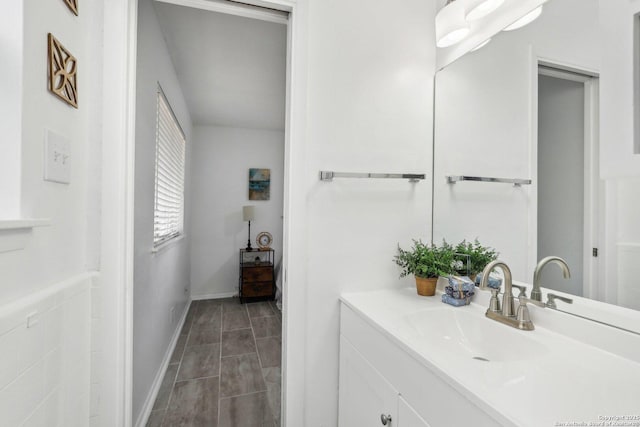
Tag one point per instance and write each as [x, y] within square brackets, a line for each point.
[257, 279]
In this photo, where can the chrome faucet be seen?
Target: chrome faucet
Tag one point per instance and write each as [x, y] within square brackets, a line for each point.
[506, 315]
[535, 292]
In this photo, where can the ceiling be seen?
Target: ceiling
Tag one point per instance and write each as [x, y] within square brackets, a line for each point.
[231, 69]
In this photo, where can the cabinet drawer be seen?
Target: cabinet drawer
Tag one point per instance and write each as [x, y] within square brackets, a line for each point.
[258, 289]
[257, 274]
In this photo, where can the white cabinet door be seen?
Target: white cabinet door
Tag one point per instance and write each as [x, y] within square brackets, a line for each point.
[408, 417]
[364, 394]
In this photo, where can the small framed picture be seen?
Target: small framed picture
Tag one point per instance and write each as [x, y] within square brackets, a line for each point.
[259, 184]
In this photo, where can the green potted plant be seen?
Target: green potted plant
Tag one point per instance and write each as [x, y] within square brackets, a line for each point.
[426, 262]
[479, 256]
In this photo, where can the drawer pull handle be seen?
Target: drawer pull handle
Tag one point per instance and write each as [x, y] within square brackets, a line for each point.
[385, 419]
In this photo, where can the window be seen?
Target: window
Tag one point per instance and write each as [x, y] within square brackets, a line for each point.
[168, 217]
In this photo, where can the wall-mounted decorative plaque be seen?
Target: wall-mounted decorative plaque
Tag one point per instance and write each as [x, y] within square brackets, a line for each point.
[63, 70]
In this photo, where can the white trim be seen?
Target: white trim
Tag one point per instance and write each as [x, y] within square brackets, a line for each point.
[237, 9]
[592, 196]
[218, 295]
[592, 190]
[116, 251]
[17, 224]
[117, 219]
[143, 417]
[168, 243]
[15, 234]
[566, 70]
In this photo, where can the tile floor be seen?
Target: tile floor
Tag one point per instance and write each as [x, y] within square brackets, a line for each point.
[225, 370]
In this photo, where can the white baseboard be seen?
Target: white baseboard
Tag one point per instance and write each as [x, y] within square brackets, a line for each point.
[214, 296]
[157, 382]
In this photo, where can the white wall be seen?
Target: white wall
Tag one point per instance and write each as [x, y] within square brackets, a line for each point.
[11, 48]
[161, 280]
[619, 75]
[68, 247]
[619, 158]
[628, 242]
[486, 124]
[60, 251]
[222, 157]
[370, 73]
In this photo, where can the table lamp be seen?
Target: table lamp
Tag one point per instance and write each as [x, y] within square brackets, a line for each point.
[249, 214]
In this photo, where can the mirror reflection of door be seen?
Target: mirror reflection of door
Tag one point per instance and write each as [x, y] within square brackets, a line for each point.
[566, 170]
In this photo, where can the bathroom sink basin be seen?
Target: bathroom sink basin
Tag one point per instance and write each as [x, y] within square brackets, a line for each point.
[459, 333]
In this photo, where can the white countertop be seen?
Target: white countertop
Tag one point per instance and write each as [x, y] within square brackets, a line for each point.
[533, 378]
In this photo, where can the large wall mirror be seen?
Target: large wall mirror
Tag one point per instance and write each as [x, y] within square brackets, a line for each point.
[546, 104]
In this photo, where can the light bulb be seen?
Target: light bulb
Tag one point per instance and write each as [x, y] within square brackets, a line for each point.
[526, 19]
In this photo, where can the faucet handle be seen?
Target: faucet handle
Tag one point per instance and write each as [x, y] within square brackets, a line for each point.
[524, 300]
[494, 303]
[522, 289]
[551, 300]
[522, 314]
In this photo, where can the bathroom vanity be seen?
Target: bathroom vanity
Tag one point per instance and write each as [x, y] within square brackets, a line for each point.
[411, 361]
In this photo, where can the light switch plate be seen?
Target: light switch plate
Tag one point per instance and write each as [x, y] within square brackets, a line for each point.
[57, 158]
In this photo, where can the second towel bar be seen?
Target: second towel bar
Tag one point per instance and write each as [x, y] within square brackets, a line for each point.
[452, 179]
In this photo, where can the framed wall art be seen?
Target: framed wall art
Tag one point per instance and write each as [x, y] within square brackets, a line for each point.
[259, 184]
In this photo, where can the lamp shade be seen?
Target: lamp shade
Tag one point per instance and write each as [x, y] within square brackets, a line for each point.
[526, 19]
[248, 213]
[451, 26]
[476, 9]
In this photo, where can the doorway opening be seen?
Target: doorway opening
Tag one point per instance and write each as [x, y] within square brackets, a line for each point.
[568, 185]
[200, 354]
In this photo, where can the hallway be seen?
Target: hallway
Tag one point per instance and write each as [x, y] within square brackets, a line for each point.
[225, 370]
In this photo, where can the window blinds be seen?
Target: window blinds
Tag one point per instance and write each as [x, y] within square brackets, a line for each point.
[168, 217]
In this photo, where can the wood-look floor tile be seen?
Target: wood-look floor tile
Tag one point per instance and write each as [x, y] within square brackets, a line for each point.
[162, 400]
[191, 315]
[194, 403]
[260, 309]
[155, 418]
[268, 326]
[269, 350]
[240, 375]
[204, 333]
[232, 304]
[250, 410]
[208, 304]
[179, 348]
[200, 361]
[237, 342]
[273, 381]
[235, 320]
[210, 315]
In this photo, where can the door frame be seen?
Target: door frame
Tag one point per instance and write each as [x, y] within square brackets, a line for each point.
[592, 185]
[118, 152]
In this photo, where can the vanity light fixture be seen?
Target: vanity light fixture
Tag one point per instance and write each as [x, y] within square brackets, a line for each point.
[481, 45]
[477, 9]
[525, 20]
[451, 25]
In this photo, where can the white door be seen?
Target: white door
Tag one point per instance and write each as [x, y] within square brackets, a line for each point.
[408, 417]
[365, 396]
